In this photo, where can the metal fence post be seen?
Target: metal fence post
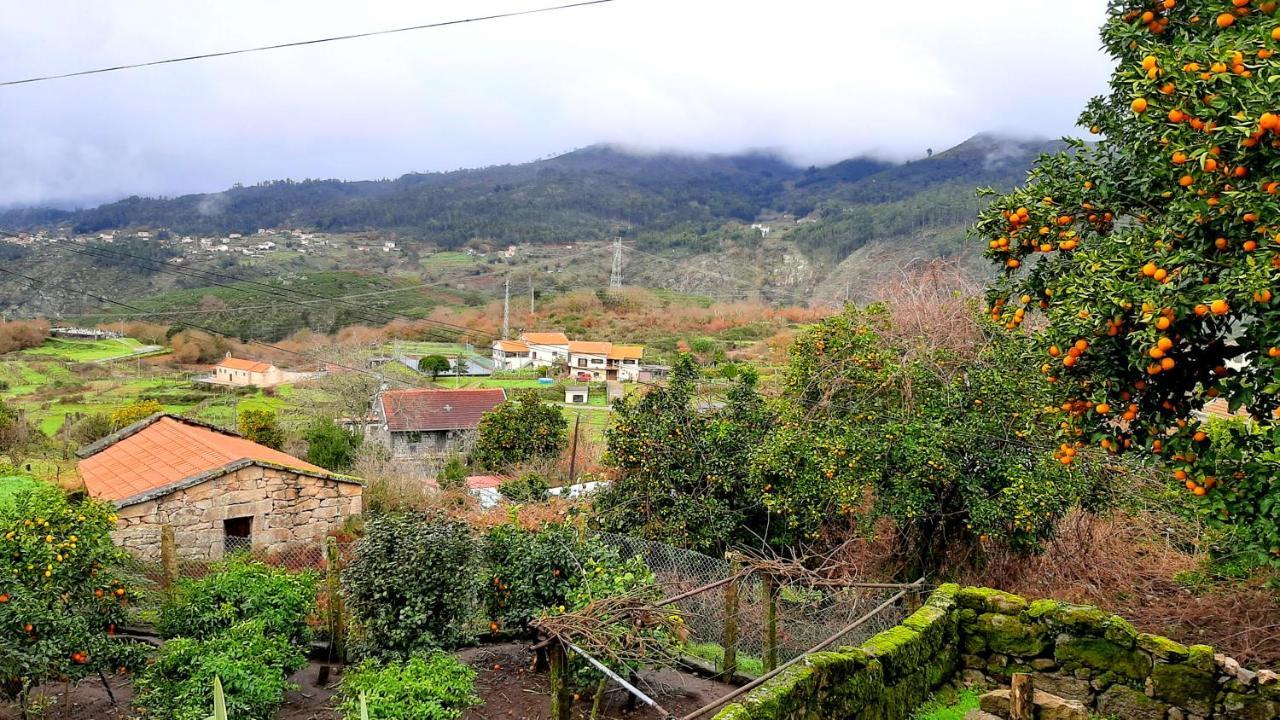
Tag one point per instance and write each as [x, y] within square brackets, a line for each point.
[168, 557]
[559, 677]
[333, 593]
[769, 597]
[730, 639]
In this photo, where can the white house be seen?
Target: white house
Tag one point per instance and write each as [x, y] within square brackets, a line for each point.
[596, 361]
[534, 349]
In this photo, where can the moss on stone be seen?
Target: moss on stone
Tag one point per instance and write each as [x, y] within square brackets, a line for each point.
[899, 649]
[1042, 608]
[986, 600]
[1102, 655]
[935, 625]
[1184, 685]
[1201, 656]
[1009, 635]
[944, 596]
[1163, 648]
[1080, 619]
[734, 712]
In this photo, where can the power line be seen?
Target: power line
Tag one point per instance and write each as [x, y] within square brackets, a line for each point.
[301, 43]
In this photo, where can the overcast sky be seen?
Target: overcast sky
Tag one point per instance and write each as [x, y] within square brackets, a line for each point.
[818, 80]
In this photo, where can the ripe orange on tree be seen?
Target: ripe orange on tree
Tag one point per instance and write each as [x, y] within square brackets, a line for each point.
[1186, 122]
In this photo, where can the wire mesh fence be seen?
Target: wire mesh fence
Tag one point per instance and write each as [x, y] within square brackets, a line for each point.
[802, 615]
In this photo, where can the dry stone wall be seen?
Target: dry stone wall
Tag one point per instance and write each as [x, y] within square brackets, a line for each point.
[983, 636]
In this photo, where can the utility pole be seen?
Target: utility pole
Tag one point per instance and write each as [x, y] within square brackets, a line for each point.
[615, 277]
[506, 310]
[531, 308]
[573, 453]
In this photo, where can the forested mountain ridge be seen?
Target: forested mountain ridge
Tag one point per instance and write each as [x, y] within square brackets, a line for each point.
[585, 194]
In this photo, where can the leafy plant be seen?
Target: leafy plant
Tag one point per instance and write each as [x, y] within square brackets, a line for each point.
[434, 365]
[249, 661]
[134, 412]
[681, 473]
[236, 591]
[519, 430]
[528, 487]
[262, 427]
[332, 447]
[1151, 257]
[60, 604]
[453, 475]
[413, 585]
[434, 686]
[533, 571]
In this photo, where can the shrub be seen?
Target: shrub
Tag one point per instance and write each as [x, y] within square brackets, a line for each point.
[453, 475]
[426, 687]
[91, 428]
[130, 414]
[519, 430]
[529, 487]
[413, 585]
[251, 662]
[262, 427]
[59, 606]
[532, 571]
[330, 446]
[236, 591]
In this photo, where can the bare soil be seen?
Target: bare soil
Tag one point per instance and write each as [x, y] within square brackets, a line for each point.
[505, 681]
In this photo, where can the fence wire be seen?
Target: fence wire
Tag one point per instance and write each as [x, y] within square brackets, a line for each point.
[805, 615]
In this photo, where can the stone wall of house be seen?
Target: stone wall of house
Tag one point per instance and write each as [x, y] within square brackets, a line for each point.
[980, 636]
[288, 509]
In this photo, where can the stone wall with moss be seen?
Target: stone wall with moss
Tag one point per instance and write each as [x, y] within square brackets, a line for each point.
[982, 636]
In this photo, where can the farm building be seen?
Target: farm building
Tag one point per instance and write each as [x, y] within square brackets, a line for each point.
[577, 394]
[238, 372]
[429, 423]
[219, 491]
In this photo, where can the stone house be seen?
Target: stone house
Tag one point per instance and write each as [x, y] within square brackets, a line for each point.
[218, 491]
[426, 423]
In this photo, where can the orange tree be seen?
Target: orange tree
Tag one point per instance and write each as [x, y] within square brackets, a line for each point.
[60, 604]
[1153, 253]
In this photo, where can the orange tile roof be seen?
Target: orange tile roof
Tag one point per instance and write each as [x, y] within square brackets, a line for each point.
[249, 365]
[626, 352]
[590, 348]
[545, 338]
[162, 451]
[512, 346]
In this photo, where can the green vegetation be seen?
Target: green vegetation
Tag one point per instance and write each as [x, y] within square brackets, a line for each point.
[11, 485]
[948, 706]
[434, 686]
[237, 591]
[1150, 321]
[331, 447]
[84, 350]
[58, 611]
[517, 431]
[261, 426]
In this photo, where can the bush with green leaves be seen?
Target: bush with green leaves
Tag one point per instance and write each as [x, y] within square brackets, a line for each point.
[413, 585]
[262, 427]
[236, 591]
[433, 686]
[251, 662]
[453, 476]
[527, 487]
[332, 447]
[531, 571]
[518, 431]
[59, 602]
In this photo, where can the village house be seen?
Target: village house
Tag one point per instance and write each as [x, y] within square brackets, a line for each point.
[425, 423]
[238, 372]
[597, 361]
[587, 361]
[218, 491]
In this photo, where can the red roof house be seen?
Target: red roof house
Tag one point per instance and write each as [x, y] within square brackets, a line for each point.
[418, 422]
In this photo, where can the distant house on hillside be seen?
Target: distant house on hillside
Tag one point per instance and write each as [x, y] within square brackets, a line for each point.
[429, 423]
[587, 361]
[218, 491]
[238, 372]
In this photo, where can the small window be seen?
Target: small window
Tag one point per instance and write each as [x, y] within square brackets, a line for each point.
[237, 534]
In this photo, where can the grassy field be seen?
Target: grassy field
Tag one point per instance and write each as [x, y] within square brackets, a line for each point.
[9, 486]
[410, 347]
[84, 350]
[450, 259]
[948, 706]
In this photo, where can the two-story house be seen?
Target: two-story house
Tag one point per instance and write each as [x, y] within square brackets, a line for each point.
[599, 361]
[536, 349]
